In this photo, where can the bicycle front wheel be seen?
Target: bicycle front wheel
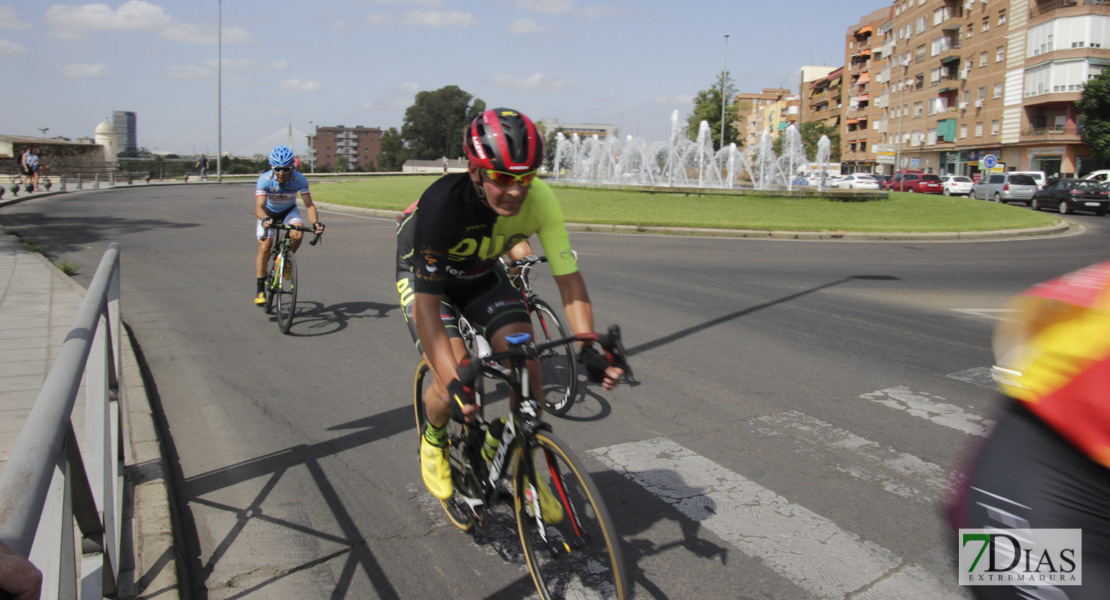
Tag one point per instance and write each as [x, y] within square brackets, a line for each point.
[571, 546]
[458, 511]
[286, 291]
[560, 366]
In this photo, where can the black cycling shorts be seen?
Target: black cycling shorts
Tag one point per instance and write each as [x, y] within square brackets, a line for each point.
[488, 303]
[1027, 475]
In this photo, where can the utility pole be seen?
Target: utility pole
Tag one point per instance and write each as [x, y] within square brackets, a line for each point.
[220, 93]
[724, 78]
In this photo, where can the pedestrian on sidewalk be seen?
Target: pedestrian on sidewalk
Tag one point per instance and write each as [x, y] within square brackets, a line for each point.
[18, 576]
[202, 164]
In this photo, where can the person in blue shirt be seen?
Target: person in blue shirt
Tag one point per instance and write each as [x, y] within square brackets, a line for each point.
[275, 200]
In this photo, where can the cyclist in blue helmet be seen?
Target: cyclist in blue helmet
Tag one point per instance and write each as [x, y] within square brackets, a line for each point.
[275, 199]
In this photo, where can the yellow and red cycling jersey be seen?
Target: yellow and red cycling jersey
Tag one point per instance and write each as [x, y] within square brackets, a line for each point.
[1054, 356]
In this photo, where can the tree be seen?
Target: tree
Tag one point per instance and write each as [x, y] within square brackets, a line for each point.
[393, 153]
[434, 124]
[341, 163]
[707, 107]
[1094, 114]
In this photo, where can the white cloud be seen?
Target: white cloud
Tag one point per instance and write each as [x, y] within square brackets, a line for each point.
[597, 12]
[426, 18]
[188, 72]
[535, 82]
[9, 19]
[11, 48]
[368, 105]
[551, 7]
[527, 26]
[678, 100]
[75, 22]
[408, 87]
[79, 21]
[239, 64]
[296, 85]
[86, 70]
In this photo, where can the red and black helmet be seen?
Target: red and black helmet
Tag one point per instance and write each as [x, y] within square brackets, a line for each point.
[503, 139]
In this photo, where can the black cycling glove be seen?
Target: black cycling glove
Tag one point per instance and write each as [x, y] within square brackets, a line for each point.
[596, 363]
[458, 396]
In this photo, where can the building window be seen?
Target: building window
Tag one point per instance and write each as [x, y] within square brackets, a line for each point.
[986, 24]
[982, 93]
[963, 131]
[917, 109]
[994, 127]
[998, 90]
[982, 59]
[919, 53]
[1000, 54]
[967, 96]
[921, 24]
[1001, 17]
[979, 129]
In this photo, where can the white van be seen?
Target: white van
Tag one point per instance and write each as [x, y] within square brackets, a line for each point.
[1038, 176]
[1099, 176]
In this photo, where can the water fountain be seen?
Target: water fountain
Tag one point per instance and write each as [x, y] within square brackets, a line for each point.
[681, 162]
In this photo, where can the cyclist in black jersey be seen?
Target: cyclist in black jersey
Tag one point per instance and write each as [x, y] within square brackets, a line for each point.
[447, 260]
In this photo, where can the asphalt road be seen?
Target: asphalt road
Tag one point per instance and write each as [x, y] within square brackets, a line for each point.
[799, 405]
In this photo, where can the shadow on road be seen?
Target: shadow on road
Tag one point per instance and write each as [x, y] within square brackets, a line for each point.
[678, 335]
[313, 319]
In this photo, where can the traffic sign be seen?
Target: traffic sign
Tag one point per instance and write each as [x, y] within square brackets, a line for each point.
[989, 161]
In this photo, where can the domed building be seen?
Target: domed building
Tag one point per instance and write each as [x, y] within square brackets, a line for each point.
[106, 136]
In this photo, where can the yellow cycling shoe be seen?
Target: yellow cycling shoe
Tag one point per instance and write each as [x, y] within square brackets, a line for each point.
[436, 470]
[260, 299]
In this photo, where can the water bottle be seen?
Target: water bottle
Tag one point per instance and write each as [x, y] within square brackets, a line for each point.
[493, 439]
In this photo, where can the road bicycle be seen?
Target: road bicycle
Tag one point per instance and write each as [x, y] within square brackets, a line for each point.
[559, 362]
[281, 274]
[569, 542]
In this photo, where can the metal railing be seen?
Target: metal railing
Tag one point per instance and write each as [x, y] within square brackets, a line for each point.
[49, 483]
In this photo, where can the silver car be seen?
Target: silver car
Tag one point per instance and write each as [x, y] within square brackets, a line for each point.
[1005, 187]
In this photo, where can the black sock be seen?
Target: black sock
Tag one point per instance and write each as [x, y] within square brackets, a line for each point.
[261, 284]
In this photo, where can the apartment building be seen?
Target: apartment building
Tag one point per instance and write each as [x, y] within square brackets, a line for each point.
[361, 145]
[822, 98]
[964, 79]
[860, 128]
[771, 110]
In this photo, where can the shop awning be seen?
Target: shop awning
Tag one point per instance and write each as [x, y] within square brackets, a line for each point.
[950, 59]
[864, 77]
[865, 29]
[947, 89]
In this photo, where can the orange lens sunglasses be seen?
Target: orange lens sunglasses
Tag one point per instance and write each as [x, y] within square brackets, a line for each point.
[506, 179]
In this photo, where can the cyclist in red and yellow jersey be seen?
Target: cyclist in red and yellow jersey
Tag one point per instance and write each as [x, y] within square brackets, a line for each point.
[1046, 465]
[447, 260]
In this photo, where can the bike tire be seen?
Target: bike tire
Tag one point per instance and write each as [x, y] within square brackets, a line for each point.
[287, 292]
[560, 365]
[458, 512]
[582, 557]
[271, 285]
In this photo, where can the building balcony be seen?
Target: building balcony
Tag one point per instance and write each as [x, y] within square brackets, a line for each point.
[1051, 135]
[1039, 8]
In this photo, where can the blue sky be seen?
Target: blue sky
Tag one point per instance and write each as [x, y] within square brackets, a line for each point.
[361, 62]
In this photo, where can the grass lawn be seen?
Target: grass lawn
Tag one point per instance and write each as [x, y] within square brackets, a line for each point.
[902, 212]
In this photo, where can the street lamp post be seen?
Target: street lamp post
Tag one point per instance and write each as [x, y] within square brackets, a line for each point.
[220, 92]
[620, 129]
[312, 147]
[724, 77]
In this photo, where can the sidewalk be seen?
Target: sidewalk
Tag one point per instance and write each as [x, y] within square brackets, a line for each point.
[37, 306]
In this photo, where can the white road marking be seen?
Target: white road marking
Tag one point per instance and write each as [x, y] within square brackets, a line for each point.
[899, 473]
[980, 376]
[810, 550]
[920, 404]
[997, 314]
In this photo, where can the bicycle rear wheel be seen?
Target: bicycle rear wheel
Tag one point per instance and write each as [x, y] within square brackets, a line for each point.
[560, 365]
[456, 508]
[286, 291]
[271, 284]
[575, 554]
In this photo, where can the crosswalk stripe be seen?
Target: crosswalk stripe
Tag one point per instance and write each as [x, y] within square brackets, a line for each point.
[797, 543]
[899, 473]
[980, 376]
[920, 404]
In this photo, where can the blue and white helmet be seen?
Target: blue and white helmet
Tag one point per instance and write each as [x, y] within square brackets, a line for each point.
[282, 156]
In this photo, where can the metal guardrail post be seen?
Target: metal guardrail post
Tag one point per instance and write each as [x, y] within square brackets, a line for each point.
[96, 182]
[45, 485]
[62, 181]
[79, 181]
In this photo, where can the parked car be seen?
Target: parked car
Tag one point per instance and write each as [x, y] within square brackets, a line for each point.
[881, 179]
[920, 183]
[896, 178]
[1005, 187]
[858, 181]
[1099, 176]
[1038, 176]
[1070, 195]
[956, 185]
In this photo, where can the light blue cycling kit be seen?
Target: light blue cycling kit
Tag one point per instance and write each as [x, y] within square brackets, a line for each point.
[281, 198]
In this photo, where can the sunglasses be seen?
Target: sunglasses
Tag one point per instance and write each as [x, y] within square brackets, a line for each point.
[282, 169]
[506, 179]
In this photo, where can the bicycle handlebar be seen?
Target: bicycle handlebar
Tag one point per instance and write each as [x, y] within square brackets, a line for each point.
[315, 237]
[610, 341]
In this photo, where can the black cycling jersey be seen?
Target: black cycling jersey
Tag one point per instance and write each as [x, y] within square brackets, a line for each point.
[464, 237]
